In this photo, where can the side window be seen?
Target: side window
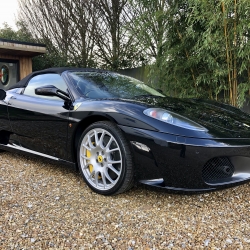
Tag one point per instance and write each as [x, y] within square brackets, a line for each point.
[43, 80]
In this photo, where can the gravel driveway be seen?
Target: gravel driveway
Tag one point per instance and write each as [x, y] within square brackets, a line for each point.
[46, 206]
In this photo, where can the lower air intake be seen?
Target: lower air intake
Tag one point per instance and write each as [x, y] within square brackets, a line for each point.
[217, 169]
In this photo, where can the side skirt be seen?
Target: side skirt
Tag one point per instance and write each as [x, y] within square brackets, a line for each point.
[24, 151]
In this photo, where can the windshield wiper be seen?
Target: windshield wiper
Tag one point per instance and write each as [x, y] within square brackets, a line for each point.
[147, 95]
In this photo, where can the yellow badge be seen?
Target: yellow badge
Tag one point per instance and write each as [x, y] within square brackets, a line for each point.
[77, 106]
[99, 158]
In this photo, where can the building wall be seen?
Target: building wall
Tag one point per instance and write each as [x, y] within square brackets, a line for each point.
[23, 67]
[138, 73]
[25, 63]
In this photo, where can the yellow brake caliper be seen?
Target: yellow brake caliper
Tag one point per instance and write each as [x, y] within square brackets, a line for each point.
[91, 168]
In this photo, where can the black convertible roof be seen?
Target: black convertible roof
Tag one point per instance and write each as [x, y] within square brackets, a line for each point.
[23, 83]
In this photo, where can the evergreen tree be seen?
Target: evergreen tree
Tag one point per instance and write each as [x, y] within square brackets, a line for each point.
[206, 49]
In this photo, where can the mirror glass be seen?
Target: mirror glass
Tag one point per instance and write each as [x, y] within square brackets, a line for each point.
[2, 94]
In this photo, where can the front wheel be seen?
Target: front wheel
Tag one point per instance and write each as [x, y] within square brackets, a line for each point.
[105, 159]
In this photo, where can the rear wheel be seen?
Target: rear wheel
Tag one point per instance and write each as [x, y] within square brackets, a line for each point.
[105, 159]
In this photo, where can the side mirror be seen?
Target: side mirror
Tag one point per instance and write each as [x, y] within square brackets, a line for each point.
[51, 90]
[2, 94]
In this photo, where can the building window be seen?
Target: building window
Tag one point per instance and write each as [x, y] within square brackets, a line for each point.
[9, 74]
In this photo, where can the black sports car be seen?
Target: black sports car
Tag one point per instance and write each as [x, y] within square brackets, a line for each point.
[118, 130]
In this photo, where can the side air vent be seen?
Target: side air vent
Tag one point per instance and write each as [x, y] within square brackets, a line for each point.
[217, 169]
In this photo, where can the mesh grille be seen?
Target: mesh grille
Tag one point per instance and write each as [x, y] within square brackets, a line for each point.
[217, 169]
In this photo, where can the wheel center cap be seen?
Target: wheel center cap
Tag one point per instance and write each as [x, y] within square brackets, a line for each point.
[99, 158]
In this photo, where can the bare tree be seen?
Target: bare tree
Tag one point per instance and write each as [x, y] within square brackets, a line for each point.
[66, 26]
[84, 32]
[150, 26]
[115, 47]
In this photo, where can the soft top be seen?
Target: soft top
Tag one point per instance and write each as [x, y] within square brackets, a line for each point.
[23, 83]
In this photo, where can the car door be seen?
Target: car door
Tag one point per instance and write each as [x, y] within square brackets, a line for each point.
[41, 122]
[6, 135]
[4, 119]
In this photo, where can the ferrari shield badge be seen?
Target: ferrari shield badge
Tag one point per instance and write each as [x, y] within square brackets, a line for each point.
[77, 106]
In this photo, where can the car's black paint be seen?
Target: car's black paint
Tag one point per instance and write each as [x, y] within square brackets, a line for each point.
[41, 125]
[162, 151]
[180, 160]
[222, 121]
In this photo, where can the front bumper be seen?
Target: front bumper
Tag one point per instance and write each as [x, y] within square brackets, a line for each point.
[188, 164]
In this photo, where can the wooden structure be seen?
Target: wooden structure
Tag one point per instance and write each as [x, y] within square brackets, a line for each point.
[16, 57]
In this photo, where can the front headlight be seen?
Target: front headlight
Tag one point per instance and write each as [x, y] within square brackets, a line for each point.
[172, 118]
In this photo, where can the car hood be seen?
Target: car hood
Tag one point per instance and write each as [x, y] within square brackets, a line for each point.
[221, 120]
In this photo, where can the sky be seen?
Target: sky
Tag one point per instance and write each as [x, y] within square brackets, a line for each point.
[8, 11]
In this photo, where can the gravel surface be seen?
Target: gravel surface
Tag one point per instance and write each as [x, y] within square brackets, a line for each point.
[47, 206]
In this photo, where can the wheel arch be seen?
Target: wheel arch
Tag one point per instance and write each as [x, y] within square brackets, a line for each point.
[82, 125]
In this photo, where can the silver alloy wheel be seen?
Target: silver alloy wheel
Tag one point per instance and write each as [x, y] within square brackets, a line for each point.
[100, 159]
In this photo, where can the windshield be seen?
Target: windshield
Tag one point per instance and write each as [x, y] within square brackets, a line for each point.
[98, 85]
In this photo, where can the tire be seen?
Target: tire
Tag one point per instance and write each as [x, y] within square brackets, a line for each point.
[105, 159]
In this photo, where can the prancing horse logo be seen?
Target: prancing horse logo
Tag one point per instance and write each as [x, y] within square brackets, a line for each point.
[4, 75]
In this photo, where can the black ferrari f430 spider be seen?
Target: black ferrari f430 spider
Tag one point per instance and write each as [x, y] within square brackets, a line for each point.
[118, 130]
